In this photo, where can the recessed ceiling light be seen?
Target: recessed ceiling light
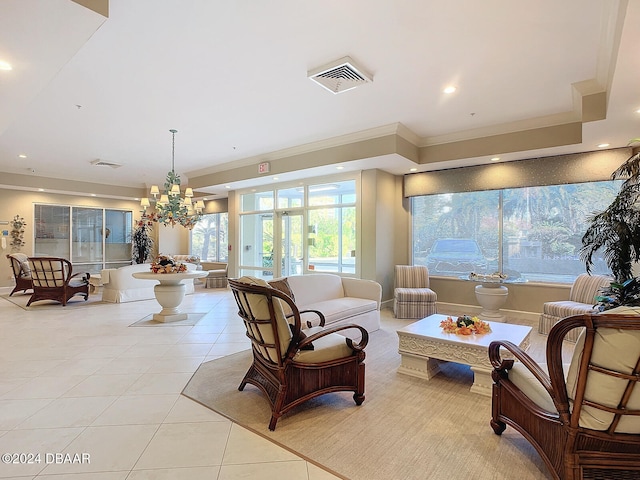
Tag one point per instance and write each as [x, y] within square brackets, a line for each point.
[638, 110]
[276, 178]
[22, 155]
[93, 194]
[5, 65]
[339, 167]
[413, 169]
[495, 159]
[41, 189]
[449, 89]
[227, 186]
[603, 145]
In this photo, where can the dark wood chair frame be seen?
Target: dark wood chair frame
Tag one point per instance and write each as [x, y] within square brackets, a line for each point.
[22, 283]
[288, 383]
[569, 450]
[53, 279]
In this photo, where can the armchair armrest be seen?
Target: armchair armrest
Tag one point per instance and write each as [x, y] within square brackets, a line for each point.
[360, 288]
[84, 276]
[364, 340]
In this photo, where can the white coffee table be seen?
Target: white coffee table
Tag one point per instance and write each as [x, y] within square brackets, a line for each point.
[423, 343]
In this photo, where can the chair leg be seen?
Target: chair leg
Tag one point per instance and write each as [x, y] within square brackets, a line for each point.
[358, 398]
[272, 423]
[498, 427]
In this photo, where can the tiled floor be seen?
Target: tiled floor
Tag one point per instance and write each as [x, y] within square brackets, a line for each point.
[83, 382]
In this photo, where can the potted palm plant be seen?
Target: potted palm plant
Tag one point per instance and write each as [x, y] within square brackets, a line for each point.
[616, 232]
[141, 241]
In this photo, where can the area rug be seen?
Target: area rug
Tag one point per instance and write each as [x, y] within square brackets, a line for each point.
[148, 321]
[78, 301]
[406, 428]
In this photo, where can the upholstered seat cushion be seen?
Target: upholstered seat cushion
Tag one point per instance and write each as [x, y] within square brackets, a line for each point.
[328, 347]
[338, 309]
[415, 295]
[567, 308]
[522, 378]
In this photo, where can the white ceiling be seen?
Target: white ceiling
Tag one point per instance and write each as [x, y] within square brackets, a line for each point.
[231, 77]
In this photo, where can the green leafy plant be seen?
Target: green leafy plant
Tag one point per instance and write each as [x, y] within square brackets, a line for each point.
[617, 294]
[17, 232]
[141, 241]
[616, 230]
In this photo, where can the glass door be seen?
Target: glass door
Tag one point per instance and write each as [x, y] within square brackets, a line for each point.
[291, 248]
[256, 238]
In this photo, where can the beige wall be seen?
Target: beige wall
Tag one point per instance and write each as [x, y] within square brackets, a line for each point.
[17, 202]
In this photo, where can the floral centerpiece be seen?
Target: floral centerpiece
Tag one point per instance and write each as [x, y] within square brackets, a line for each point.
[465, 325]
[166, 264]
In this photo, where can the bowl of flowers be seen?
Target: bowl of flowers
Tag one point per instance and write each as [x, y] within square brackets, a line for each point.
[465, 325]
[166, 264]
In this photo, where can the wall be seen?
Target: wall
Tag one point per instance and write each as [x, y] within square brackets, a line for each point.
[16, 202]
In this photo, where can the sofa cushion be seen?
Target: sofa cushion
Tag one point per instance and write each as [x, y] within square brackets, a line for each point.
[317, 287]
[338, 309]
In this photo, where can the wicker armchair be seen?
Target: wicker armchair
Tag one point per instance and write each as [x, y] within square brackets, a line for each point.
[21, 272]
[587, 426]
[53, 279]
[291, 366]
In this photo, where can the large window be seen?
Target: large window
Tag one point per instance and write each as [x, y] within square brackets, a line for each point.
[293, 230]
[532, 233]
[91, 238]
[210, 238]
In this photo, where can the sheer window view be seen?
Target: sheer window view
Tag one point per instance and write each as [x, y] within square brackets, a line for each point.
[209, 238]
[91, 238]
[318, 219]
[536, 238]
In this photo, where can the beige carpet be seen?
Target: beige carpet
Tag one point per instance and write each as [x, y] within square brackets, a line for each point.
[407, 428]
[21, 299]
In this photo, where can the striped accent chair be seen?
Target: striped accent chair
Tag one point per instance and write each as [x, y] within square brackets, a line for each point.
[581, 300]
[412, 297]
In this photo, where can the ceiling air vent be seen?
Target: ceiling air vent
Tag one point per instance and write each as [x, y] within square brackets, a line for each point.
[339, 76]
[102, 163]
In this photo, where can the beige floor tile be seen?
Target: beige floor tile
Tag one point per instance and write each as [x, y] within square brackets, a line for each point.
[246, 447]
[159, 383]
[185, 473]
[186, 410]
[103, 385]
[103, 351]
[292, 470]
[68, 412]
[185, 445]
[9, 384]
[14, 412]
[188, 350]
[145, 350]
[199, 337]
[222, 349]
[176, 364]
[137, 410]
[122, 366]
[77, 366]
[45, 387]
[111, 448]
[38, 443]
[87, 476]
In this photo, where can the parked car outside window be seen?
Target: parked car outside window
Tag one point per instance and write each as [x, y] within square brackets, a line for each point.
[456, 256]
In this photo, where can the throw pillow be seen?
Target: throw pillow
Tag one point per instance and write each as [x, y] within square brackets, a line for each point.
[283, 285]
[302, 337]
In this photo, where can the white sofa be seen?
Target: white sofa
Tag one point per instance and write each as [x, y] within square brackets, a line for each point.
[341, 299]
[120, 286]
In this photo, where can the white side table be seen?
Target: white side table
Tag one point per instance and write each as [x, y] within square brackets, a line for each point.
[169, 292]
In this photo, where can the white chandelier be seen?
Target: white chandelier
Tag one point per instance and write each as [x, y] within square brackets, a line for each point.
[171, 208]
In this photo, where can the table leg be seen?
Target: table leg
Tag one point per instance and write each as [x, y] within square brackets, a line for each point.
[482, 381]
[170, 297]
[418, 366]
